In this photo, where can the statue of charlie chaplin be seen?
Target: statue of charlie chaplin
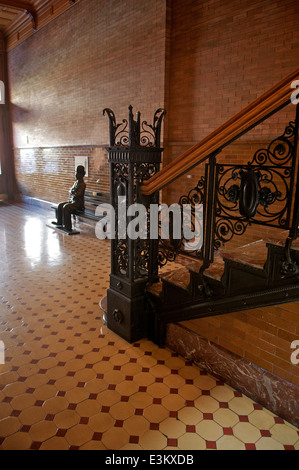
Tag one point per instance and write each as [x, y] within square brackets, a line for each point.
[76, 202]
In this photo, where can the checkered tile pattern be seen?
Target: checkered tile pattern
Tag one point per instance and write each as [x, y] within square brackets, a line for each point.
[70, 383]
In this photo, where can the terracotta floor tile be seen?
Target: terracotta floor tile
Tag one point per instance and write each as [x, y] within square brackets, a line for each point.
[220, 392]
[77, 395]
[66, 419]
[88, 408]
[153, 440]
[32, 415]
[9, 426]
[55, 443]
[246, 432]
[241, 405]
[20, 441]
[225, 417]
[172, 428]
[209, 430]
[173, 402]
[115, 438]
[42, 431]
[261, 419]
[101, 422]
[227, 442]
[206, 404]
[191, 441]
[78, 435]
[189, 392]
[284, 434]
[190, 416]
[134, 423]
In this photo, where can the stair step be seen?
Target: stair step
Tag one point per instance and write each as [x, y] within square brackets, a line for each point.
[179, 277]
[214, 271]
[254, 254]
[281, 241]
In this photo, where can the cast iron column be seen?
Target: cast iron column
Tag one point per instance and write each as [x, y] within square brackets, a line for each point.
[134, 156]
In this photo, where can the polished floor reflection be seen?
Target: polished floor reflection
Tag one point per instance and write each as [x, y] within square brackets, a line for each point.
[67, 382]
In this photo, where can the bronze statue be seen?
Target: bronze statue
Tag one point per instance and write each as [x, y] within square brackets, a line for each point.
[76, 202]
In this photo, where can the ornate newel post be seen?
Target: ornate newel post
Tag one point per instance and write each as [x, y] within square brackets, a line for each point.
[134, 156]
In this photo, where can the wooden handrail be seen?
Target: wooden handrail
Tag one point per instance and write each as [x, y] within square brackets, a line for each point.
[274, 99]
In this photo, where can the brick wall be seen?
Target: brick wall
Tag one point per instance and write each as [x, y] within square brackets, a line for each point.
[224, 55]
[48, 173]
[98, 54]
[263, 336]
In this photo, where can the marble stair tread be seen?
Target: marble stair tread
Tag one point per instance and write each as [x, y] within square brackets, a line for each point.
[179, 277]
[280, 241]
[254, 254]
[214, 271]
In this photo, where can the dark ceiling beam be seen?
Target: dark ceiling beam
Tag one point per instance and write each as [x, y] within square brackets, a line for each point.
[21, 5]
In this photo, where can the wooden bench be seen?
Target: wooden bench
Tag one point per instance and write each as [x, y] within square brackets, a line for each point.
[91, 201]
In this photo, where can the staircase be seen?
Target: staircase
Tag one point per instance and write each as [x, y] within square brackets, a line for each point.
[142, 298]
[253, 275]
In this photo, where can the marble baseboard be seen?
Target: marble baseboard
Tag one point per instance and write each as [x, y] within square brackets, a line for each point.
[272, 392]
[33, 201]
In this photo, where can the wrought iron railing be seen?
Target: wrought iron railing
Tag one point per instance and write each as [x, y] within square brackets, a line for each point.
[263, 191]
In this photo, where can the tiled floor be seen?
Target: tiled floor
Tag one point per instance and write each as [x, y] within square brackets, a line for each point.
[70, 383]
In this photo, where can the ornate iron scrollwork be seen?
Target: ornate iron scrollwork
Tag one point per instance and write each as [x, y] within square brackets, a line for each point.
[151, 134]
[259, 192]
[170, 249]
[121, 257]
[280, 151]
[132, 133]
[116, 130]
[120, 189]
